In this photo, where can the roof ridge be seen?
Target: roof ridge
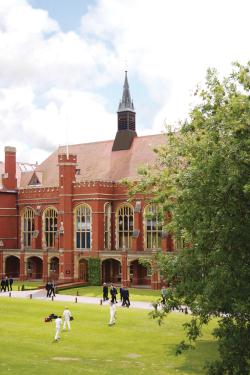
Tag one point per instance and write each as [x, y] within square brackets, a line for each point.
[110, 140]
[86, 143]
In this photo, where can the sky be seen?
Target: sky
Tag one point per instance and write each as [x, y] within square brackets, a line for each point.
[62, 65]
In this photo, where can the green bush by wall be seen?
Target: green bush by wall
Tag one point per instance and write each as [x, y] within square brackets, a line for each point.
[94, 271]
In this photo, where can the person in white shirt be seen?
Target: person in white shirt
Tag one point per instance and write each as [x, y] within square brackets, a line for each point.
[112, 313]
[66, 317]
[58, 322]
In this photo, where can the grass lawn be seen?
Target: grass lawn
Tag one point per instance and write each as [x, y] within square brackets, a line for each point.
[28, 285]
[144, 295]
[135, 345]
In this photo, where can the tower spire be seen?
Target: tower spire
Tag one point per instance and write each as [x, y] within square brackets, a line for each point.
[126, 120]
[126, 104]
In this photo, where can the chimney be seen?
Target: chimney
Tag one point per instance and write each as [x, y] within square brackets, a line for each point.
[9, 177]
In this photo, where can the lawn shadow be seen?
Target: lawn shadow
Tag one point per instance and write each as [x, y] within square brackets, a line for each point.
[193, 361]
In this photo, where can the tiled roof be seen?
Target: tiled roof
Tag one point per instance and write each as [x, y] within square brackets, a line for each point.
[21, 170]
[96, 161]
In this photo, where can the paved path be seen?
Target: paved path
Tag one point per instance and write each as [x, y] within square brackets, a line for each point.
[41, 295]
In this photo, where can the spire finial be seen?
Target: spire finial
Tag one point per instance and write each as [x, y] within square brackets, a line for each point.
[126, 65]
[126, 103]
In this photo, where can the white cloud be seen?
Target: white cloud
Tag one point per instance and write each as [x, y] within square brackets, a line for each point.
[49, 78]
[170, 44]
[17, 17]
[35, 57]
[68, 117]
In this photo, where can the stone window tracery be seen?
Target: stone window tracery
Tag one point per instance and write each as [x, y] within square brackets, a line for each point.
[83, 226]
[153, 226]
[107, 226]
[50, 226]
[125, 226]
[28, 226]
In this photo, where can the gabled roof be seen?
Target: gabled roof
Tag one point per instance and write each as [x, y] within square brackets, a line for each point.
[96, 160]
[21, 169]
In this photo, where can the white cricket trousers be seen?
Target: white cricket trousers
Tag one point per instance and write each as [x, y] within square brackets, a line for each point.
[66, 321]
[57, 335]
[112, 317]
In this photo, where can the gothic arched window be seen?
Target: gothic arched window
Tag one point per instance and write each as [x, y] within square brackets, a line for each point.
[107, 226]
[125, 226]
[83, 226]
[50, 226]
[153, 226]
[28, 226]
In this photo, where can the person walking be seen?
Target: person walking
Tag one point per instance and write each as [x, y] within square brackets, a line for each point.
[121, 293]
[113, 293]
[52, 289]
[112, 310]
[10, 282]
[3, 285]
[105, 291]
[58, 322]
[66, 317]
[126, 301]
[163, 295]
[6, 283]
[47, 289]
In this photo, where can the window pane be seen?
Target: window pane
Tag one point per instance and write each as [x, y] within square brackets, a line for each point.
[50, 226]
[153, 226]
[83, 226]
[125, 226]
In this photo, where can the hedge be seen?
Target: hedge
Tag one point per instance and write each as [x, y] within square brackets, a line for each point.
[94, 271]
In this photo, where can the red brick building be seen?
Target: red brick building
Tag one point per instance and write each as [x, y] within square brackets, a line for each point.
[56, 215]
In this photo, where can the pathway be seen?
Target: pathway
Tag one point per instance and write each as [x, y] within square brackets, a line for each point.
[41, 295]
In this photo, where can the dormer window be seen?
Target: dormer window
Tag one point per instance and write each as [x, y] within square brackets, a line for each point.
[34, 180]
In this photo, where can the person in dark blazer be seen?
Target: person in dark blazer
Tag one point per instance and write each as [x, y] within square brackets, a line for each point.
[47, 287]
[10, 282]
[126, 301]
[121, 293]
[52, 289]
[113, 293]
[105, 292]
[3, 285]
[6, 283]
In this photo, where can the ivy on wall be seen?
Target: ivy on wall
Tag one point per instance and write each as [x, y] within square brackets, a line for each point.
[94, 271]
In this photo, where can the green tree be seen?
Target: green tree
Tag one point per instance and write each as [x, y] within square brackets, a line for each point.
[202, 179]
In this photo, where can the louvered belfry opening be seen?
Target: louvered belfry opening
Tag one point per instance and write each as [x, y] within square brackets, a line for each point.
[126, 120]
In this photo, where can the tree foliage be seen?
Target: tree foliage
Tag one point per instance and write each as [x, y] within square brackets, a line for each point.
[202, 178]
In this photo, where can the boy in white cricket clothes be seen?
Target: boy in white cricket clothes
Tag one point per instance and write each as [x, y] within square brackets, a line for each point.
[58, 322]
[112, 313]
[66, 317]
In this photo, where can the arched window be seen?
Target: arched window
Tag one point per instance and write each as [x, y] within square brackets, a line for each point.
[125, 226]
[28, 226]
[50, 226]
[107, 226]
[83, 225]
[153, 226]
[179, 242]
